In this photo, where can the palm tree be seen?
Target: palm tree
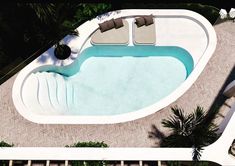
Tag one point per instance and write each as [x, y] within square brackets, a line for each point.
[56, 24]
[44, 11]
[187, 130]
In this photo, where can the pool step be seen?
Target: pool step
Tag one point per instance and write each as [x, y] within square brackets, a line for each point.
[53, 92]
[30, 94]
[64, 93]
[44, 97]
[50, 93]
[61, 90]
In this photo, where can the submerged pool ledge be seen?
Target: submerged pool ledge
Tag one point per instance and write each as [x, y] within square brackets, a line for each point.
[123, 51]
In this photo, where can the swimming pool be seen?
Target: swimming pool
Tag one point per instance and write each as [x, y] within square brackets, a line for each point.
[116, 83]
[111, 80]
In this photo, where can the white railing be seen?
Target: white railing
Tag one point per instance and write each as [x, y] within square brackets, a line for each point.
[66, 163]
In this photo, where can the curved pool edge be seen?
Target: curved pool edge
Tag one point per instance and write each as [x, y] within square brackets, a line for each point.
[113, 51]
[17, 86]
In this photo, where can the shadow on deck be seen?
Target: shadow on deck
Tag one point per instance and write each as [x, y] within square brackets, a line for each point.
[220, 98]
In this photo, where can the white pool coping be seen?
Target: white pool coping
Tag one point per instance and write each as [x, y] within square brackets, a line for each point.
[85, 30]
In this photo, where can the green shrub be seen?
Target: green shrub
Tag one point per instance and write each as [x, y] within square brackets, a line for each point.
[87, 11]
[89, 144]
[4, 144]
[184, 163]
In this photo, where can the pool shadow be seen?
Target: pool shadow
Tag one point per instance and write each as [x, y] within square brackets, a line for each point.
[48, 55]
[156, 135]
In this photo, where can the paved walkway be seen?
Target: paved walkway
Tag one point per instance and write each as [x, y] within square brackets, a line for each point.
[15, 129]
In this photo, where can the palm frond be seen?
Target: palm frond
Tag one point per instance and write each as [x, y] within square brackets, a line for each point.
[176, 140]
[199, 113]
[45, 12]
[172, 123]
[156, 133]
[179, 122]
[178, 113]
[193, 130]
[197, 153]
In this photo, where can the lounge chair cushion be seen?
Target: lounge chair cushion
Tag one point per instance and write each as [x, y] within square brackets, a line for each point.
[104, 26]
[107, 25]
[114, 36]
[140, 21]
[118, 23]
[148, 20]
[110, 24]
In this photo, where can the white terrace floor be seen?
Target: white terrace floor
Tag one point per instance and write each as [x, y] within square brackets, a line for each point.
[15, 129]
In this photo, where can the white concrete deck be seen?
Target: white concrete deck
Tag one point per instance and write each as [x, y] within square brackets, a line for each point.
[191, 31]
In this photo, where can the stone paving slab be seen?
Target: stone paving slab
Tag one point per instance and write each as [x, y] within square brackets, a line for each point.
[15, 129]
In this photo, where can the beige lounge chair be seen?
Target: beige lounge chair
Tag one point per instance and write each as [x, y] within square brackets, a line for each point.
[118, 36]
[144, 35]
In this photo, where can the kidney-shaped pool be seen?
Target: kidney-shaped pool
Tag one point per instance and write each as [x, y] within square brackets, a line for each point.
[116, 83]
[109, 80]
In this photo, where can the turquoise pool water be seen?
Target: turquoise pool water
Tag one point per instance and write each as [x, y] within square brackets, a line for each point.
[111, 80]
